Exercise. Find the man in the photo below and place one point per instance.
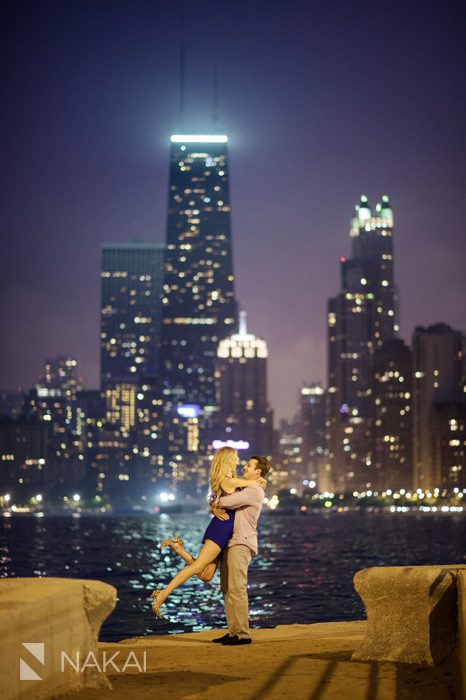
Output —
(239, 551)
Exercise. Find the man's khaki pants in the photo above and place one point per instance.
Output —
(233, 583)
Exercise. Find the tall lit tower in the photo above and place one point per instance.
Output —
(244, 412)
(198, 303)
(360, 318)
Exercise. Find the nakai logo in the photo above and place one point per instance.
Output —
(36, 650)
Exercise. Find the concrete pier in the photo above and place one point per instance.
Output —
(378, 659)
(290, 662)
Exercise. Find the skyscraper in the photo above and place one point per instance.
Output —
(127, 454)
(198, 303)
(130, 317)
(360, 318)
(312, 402)
(392, 433)
(130, 324)
(244, 413)
(439, 407)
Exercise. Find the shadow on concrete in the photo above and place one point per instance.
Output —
(410, 682)
(173, 685)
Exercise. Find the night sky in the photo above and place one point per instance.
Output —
(322, 101)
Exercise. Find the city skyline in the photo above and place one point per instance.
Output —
(67, 193)
(388, 415)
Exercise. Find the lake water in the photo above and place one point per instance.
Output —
(303, 573)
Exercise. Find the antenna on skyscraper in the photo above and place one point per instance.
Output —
(243, 329)
(182, 74)
(215, 97)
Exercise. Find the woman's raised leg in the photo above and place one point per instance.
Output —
(208, 554)
(208, 573)
(180, 550)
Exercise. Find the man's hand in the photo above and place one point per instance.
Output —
(219, 513)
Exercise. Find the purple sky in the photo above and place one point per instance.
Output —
(322, 101)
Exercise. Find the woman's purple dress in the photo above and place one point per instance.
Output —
(220, 531)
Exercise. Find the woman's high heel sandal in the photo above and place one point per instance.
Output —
(152, 597)
(167, 542)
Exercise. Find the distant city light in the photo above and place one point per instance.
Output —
(188, 410)
(165, 497)
(198, 138)
(236, 444)
(273, 502)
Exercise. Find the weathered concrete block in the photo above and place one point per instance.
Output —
(411, 613)
(39, 619)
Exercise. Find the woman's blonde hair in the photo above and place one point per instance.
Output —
(224, 461)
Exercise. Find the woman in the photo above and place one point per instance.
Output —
(222, 481)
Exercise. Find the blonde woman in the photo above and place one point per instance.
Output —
(223, 481)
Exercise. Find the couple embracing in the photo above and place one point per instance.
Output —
(229, 541)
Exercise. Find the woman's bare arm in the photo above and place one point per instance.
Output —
(230, 483)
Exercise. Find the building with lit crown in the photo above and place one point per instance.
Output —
(360, 318)
(198, 302)
(244, 415)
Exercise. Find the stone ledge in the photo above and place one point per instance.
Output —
(412, 613)
(60, 614)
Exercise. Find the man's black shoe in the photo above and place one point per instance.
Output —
(235, 641)
(220, 640)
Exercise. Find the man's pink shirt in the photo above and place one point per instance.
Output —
(248, 505)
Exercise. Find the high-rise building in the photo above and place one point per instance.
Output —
(360, 318)
(288, 470)
(130, 317)
(24, 452)
(448, 444)
(312, 430)
(438, 405)
(244, 414)
(128, 449)
(60, 378)
(130, 324)
(392, 395)
(54, 396)
(198, 304)
(90, 418)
